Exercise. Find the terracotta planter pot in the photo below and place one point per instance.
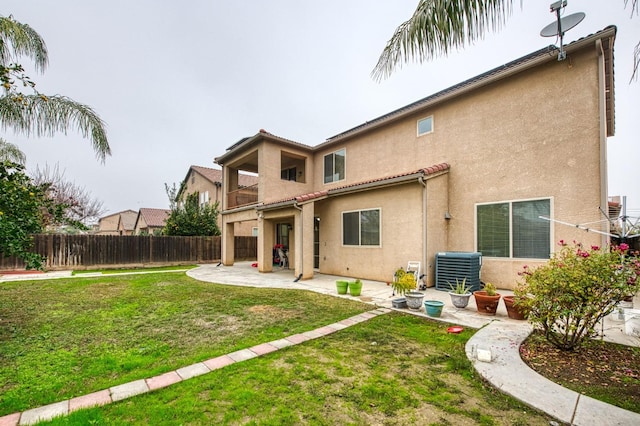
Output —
(487, 305)
(513, 311)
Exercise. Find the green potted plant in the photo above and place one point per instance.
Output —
(405, 284)
(460, 293)
(487, 299)
(402, 284)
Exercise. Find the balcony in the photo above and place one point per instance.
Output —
(242, 197)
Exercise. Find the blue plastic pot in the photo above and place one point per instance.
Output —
(433, 307)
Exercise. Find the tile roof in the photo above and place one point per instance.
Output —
(387, 180)
(154, 217)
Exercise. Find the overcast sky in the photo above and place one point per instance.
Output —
(177, 82)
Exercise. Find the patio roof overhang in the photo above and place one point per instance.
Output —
(417, 175)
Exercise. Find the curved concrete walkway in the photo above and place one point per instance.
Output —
(493, 350)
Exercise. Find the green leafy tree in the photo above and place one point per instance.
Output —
(25, 209)
(193, 219)
(568, 297)
(439, 26)
(35, 113)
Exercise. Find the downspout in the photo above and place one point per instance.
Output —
(602, 99)
(422, 181)
(299, 241)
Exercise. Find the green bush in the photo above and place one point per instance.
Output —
(577, 288)
(403, 282)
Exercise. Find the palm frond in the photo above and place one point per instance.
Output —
(10, 152)
(636, 50)
(17, 39)
(437, 27)
(44, 116)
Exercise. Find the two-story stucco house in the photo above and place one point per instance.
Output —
(207, 183)
(471, 168)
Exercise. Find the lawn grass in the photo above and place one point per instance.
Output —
(69, 337)
(395, 369)
(126, 270)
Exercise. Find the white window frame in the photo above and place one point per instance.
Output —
(204, 198)
(430, 117)
(333, 177)
(360, 245)
(511, 202)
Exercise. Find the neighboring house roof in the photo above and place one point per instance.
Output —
(104, 219)
(154, 218)
(215, 177)
(128, 220)
(427, 172)
(543, 55)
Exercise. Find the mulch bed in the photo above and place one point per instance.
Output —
(597, 367)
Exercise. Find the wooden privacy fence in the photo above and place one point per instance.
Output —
(91, 251)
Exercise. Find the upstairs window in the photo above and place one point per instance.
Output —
(514, 229)
(288, 174)
(425, 125)
(334, 165)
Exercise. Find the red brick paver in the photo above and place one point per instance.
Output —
(10, 420)
(90, 400)
(163, 380)
(219, 362)
(264, 348)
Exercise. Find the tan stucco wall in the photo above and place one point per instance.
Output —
(272, 187)
(400, 238)
(533, 135)
(109, 225)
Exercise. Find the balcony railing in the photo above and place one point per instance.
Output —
(242, 197)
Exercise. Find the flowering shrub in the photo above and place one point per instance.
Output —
(577, 288)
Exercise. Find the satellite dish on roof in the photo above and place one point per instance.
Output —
(565, 24)
(562, 25)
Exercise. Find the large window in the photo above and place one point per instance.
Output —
(514, 229)
(334, 166)
(361, 228)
